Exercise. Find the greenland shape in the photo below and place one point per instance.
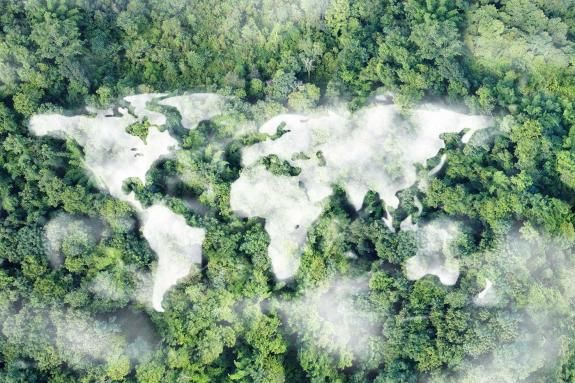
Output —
(374, 149)
(333, 316)
(112, 155)
(196, 107)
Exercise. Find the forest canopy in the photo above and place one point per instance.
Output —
(157, 158)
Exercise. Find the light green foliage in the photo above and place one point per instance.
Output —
(519, 32)
(566, 167)
(512, 190)
(139, 129)
(304, 98)
(282, 84)
(150, 372)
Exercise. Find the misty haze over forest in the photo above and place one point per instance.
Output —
(358, 191)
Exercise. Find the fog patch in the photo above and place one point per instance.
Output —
(388, 221)
(138, 330)
(435, 254)
(336, 317)
(110, 286)
(273, 15)
(196, 206)
(487, 296)
(408, 225)
(70, 234)
(350, 255)
(533, 274)
(374, 149)
(79, 339)
(423, 183)
(418, 205)
(436, 169)
(518, 34)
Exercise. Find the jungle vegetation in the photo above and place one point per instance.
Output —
(512, 59)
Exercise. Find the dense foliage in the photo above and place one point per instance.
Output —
(514, 59)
